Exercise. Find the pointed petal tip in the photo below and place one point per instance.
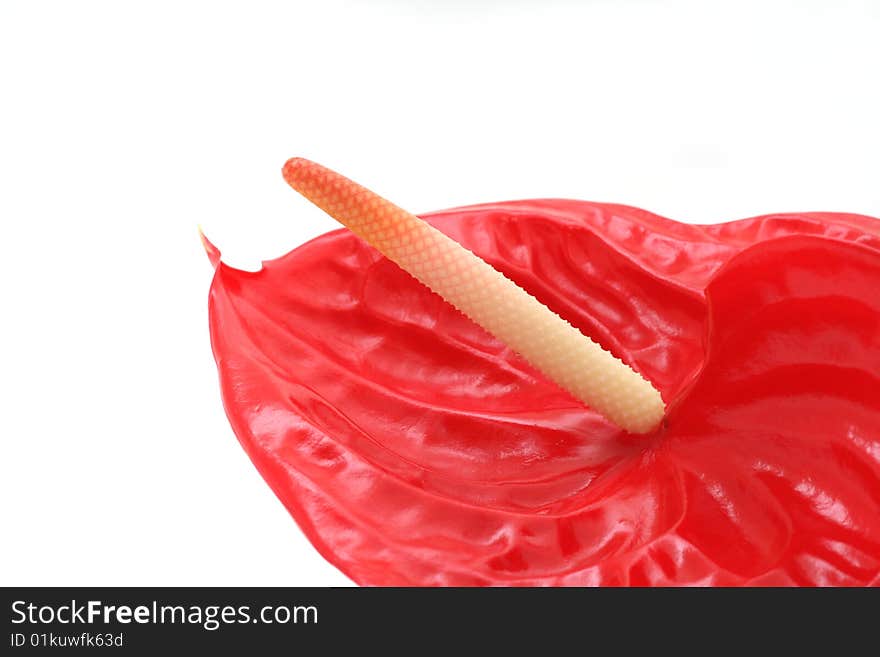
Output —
(212, 251)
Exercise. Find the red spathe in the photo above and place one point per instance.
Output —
(415, 449)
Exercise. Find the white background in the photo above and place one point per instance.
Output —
(124, 125)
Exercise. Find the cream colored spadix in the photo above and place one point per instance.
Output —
(552, 345)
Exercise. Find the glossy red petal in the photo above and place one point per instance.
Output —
(780, 434)
(413, 448)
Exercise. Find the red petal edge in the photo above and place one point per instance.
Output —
(414, 449)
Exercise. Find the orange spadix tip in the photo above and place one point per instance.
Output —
(293, 167)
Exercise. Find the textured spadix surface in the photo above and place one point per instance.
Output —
(547, 341)
(414, 448)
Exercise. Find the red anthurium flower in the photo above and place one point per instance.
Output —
(415, 449)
